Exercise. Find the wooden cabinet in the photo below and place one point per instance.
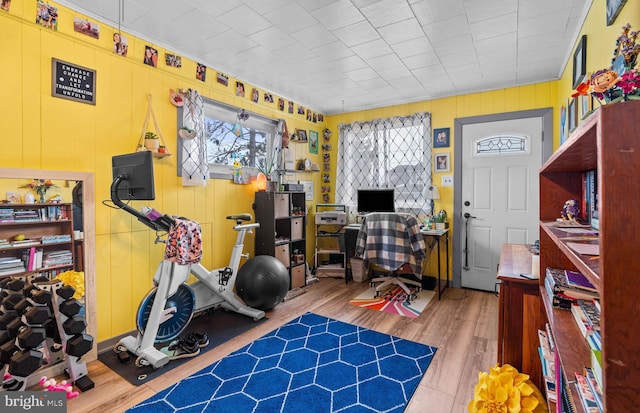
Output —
(609, 142)
(519, 312)
(282, 218)
(47, 247)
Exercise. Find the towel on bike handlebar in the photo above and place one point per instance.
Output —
(184, 243)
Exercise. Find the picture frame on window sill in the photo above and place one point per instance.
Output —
(442, 162)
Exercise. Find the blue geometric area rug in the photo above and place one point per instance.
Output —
(310, 364)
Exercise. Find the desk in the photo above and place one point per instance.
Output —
(351, 234)
(437, 235)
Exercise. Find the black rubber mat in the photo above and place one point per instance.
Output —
(220, 325)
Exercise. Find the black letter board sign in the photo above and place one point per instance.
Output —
(69, 81)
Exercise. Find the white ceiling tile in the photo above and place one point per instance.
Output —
(413, 47)
(483, 29)
(401, 31)
(333, 51)
(272, 38)
(356, 34)
(372, 49)
(452, 45)
(314, 36)
(338, 14)
(446, 29)
(479, 10)
(386, 12)
(432, 11)
(421, 60)
(244, 20)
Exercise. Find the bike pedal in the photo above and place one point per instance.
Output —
(124, 357)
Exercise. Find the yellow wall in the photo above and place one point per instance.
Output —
(43, 132)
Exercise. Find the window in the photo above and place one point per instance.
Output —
(502, 144)
(386, 153)
(230, 137)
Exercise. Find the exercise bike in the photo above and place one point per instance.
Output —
(167, 309)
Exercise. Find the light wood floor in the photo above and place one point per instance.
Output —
(463, 326)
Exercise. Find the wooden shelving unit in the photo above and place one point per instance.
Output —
(609, 142)
(50, 229)
(282, 218)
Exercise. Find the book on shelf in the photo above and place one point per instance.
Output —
(587, 398)
(581, 320)
(595, 387)
(596, 365)
(557, 285)
(564, 403)
(547, 359)
(578, 280)
(593, 319)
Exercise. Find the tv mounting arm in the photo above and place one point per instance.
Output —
(163, 223)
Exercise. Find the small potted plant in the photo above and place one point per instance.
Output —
(162, 149)
(151, 141)
(186, 133)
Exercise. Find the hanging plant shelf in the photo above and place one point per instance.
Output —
(150, 141)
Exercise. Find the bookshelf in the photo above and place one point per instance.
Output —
(47, 229)
(282, 231)
(608, 142)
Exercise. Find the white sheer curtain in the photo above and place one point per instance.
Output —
(386, 153)
(195, 168)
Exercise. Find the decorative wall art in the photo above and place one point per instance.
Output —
(580, 62)
(613, 9)
(47, 15)
(5, 5)
(301, 134)
(313, 141)
(441, 138)
(84, 26)
(73, 82)
(172, 60)
(150, 56)
(201, 72)
(572, 114)
(240, 89)
(222, 79)
(307, 187)
(563, 124)
(442, 162)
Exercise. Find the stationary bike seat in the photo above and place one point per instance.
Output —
(240, 217)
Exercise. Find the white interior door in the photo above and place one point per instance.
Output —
(500, 163)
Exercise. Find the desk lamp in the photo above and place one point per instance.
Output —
(431, 192)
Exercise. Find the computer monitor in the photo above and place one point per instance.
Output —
(376, 200)
(136, 173)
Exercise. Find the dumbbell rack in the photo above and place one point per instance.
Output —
(40, 325)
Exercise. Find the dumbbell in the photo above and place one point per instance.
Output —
(7, 350)
(79, 345)
(41, 296)
(37, 315)
(25, 362)
(70, 307)
(74, 325)
(15, 284)
(31, 337)
(65, 292)
(11, 301)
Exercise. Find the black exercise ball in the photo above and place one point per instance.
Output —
(262, 282)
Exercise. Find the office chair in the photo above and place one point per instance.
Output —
(392, 242)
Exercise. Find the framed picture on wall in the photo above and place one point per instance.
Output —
(313, 141)
(302, 135)
(442, 162)
(307, 187)
(580, 62)
(572, 114)
(441, 138)
(613, 9)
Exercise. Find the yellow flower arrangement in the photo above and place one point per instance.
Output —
(74, 279)
(505, 390)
